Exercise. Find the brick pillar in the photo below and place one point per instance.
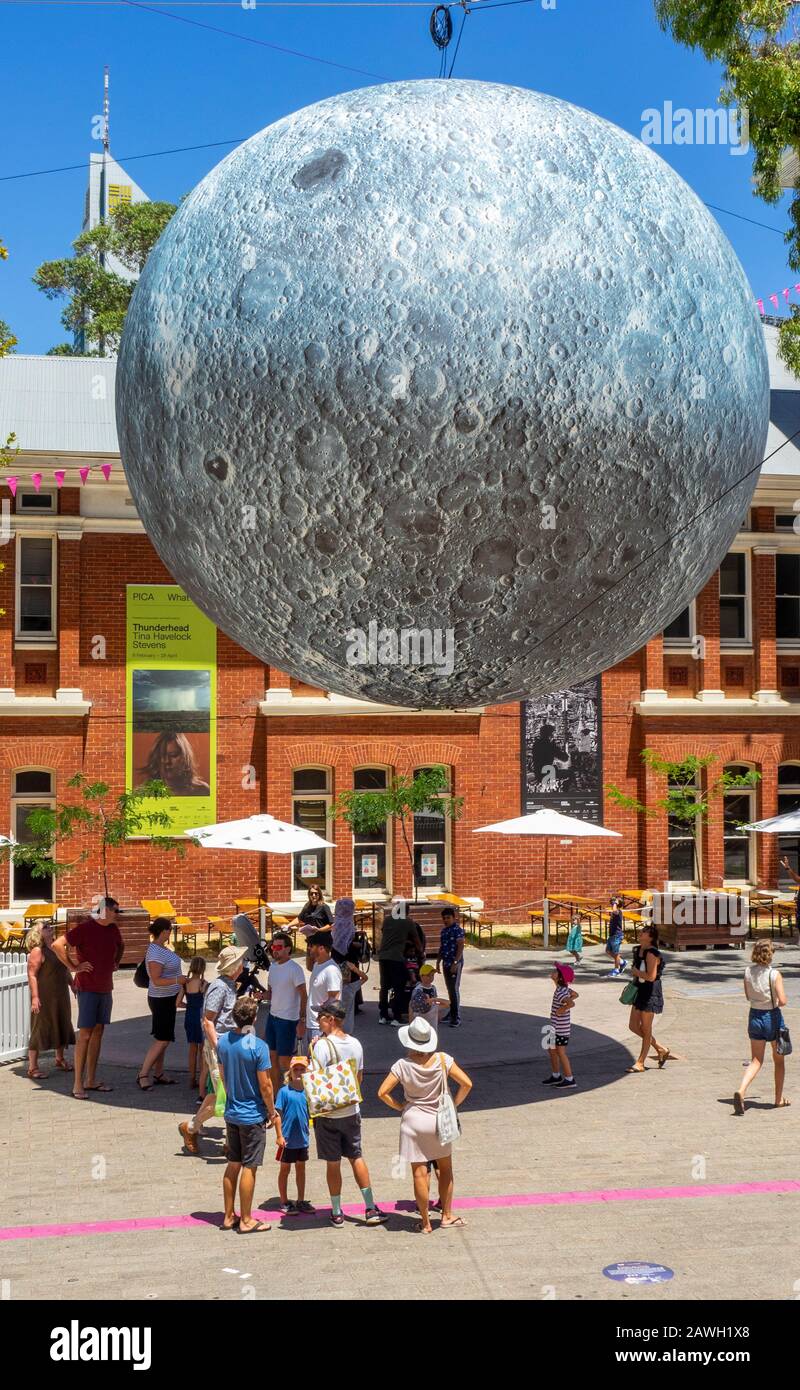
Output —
(7, 560)
(653, 671)
(653, 830)
(707, 625)
(766, 673)
(712, 861)
(69, 602)
(766, 846)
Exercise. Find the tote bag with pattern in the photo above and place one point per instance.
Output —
(448, 1125)
(331, 1088)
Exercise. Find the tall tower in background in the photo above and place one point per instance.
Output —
(108, 188)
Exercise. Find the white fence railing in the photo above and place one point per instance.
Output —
(15, 1006)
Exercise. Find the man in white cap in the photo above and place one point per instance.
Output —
(217, 1018)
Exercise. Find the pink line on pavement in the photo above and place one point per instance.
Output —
(514, 1199)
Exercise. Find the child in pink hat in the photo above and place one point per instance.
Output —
(560, 1027)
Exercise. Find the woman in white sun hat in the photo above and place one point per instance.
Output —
(423, 1074)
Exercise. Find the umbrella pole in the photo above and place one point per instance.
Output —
(545, 903)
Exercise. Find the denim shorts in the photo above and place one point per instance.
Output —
(763, 1025)
(281, 1035)
(93, 1009)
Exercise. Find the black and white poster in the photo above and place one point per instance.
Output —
(562, 756)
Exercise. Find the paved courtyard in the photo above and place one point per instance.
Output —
(99, 1201)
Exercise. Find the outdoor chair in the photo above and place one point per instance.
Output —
(187, 931)
(483, 924)
(13, 938)
(217, 924)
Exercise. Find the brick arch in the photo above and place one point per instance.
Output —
(375, 753)
(313, 753)
(429, 752)
(32, 752)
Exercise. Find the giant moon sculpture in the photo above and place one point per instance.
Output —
(450, 357)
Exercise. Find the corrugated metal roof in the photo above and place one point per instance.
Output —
(59, 404)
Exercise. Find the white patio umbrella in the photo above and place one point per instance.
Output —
(262, 834)
(788, 824)
(546, 823)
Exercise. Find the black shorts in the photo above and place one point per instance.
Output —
(163, 1011)
(562, 1040)
(294, 1156)
(246, 1143)
(338, 1139)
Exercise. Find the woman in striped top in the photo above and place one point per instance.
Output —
(166, 982)
(560, 1028)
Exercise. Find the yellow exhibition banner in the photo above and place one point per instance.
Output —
(171, 703)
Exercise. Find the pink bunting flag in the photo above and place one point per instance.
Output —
(36, 479)
(12, 485)
(785, 294)
(760, 304)
(84, 473)
(774, 300)
(105, 469)
(797, 289)
(59, 476)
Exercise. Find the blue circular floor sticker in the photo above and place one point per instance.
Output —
(629, 1272)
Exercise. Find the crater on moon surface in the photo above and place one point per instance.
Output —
(471, 354)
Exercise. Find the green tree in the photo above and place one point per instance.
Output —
(405, 797)
(107, 822)
(98, 298)
(686, 803)
(756, 41)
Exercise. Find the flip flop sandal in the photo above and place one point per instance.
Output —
(140, 1084)
(226, 1230)
(448, 1225)
(782, 1105)
(64, 1066)
(75, 1096)
(663, 1057)
(38, 1075)
(100, 1087)
(163, 1080)
(254, 1230)
(738, 1103)
(636, 1070)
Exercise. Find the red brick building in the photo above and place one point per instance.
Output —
(70, 551)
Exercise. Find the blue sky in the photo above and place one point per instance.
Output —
(173, 84)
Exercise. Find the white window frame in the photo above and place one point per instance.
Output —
(29, 799)
(792, 789)
(785, 644)
(424, 885)
(49, 493)
(35, 639)
(750, 837)
(734, 644)
(375, 894)
(685, 884)
(684, 644)
(300, 894)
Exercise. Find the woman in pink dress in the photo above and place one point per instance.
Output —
(423, 1074)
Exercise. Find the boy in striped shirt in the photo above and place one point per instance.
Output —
(561, 1025)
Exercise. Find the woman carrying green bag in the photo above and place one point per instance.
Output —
(645, 985)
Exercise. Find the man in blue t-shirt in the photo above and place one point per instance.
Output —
(249, 1107)
(450, 957)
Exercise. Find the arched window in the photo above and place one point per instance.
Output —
(32, 789)
(684, 844)
(311, 808)
(432, 852)
(738, 810)
(788, 800)
(372, 849)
